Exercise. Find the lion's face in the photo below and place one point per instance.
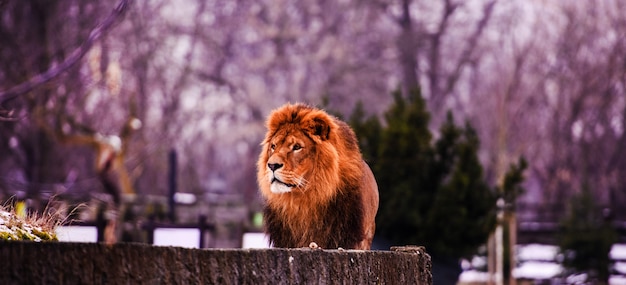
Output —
(298, 153)
(289, 157)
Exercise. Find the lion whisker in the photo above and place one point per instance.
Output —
(296, 179)
(301, 182)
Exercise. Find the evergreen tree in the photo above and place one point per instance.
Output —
(368, 131)
(403, 171)
(511, 185)
(586, 238)
(462, 213)
(432, 192)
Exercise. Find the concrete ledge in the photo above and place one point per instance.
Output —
(89, 263)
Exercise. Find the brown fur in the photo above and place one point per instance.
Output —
(327, 193)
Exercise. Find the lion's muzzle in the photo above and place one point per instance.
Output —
(274, 166)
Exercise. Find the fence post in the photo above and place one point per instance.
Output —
(149, 228)
(101, 222)
(172, 185)
(202, 226)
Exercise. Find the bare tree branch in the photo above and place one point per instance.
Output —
(471, 45)
(407, 46)
(439, 92)
(434, 74)
(71, 60)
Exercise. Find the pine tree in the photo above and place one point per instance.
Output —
(403, 171)
(586, 238)
(432, 192)
(368, 131)
(462, 213)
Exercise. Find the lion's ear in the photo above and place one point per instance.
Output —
(320, 126)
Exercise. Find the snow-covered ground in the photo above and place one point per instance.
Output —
(255, 240)
(77, 234)
(618, 252)
(189, 238)
(539, 262)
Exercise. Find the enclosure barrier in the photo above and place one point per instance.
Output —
(92, 263)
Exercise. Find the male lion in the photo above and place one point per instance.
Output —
(316, 185)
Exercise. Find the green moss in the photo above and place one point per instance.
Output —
(45, 236)
(7, 236)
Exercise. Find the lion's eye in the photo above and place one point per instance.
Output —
(296, 147)
(272, 146)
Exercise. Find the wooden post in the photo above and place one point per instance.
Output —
(172, 186)
(202, 226)
(101, 222)
(149, 228)
(512, 219)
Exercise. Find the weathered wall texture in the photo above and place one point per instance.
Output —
(84, 263)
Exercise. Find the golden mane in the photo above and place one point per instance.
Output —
(318, 158)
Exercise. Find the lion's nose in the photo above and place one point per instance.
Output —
(274, 166)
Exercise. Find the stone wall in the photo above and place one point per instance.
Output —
(89, 263)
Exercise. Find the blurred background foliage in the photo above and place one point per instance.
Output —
(543, 80)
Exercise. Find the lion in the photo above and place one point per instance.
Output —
(316, 186)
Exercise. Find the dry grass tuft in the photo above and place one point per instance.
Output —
(16, 225)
